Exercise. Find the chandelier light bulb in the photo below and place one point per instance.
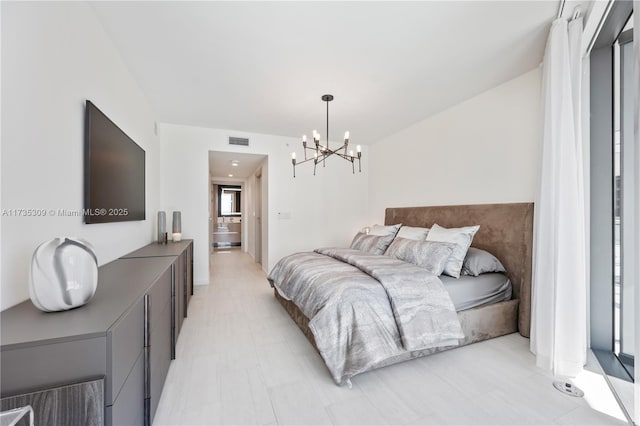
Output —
(346, 135)
(358, 148)
(304, 138)
(293, 155)
(351, 153)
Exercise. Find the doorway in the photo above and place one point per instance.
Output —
(237, 188)
(227, 209)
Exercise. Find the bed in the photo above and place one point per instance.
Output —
(505, 231)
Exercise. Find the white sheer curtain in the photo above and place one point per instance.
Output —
(559, 290)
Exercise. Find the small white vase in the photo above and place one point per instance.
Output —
(63, 274)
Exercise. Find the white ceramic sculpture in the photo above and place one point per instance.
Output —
(63, 274)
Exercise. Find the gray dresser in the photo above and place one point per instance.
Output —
(182, 252)
(124, 337)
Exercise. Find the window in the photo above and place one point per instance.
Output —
(612, 195)
(623, 171)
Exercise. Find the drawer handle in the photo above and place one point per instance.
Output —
(147, 359)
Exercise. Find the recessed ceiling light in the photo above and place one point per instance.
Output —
(235, 163)
(230, 175)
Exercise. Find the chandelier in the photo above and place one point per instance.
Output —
(322, 152)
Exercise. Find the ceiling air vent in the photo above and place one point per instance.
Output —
(238, 141)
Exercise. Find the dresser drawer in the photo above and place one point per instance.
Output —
(128, 408)
(178, 269)
(124, 343)
(160, 294)
(161, 336)
(36, 367)
(189, 266)
(160, 355)
(79, 403)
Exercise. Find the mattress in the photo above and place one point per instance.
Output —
(469, 292)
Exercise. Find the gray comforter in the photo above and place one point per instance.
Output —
(365, 309)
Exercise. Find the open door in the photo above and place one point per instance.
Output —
(258, 216)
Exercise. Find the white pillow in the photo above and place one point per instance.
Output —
(384, 231)
(413, 233)
(461, 237)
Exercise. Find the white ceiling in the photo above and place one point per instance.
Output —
(262, 66)
(220, 165)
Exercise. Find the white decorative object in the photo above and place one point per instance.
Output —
(63, 274)
(176, 236)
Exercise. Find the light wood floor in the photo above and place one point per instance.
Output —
(242, 360)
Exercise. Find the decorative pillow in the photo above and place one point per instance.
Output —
(374, 244)
(461, 237)
(384, 230)
(479, 262)
(430, 255)
(413, 233)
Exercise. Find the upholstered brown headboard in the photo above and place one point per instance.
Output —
(506, 230)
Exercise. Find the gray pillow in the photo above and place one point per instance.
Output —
(374, 244)
(461, 237)
(413, 233)
(479, 262)
(430, 255)
(384, 231)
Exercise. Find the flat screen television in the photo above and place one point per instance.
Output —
(114, 184)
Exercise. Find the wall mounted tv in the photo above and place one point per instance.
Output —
(114, 186)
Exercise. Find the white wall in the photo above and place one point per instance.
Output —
(324, 210)
(483, 150)
(54, 56)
